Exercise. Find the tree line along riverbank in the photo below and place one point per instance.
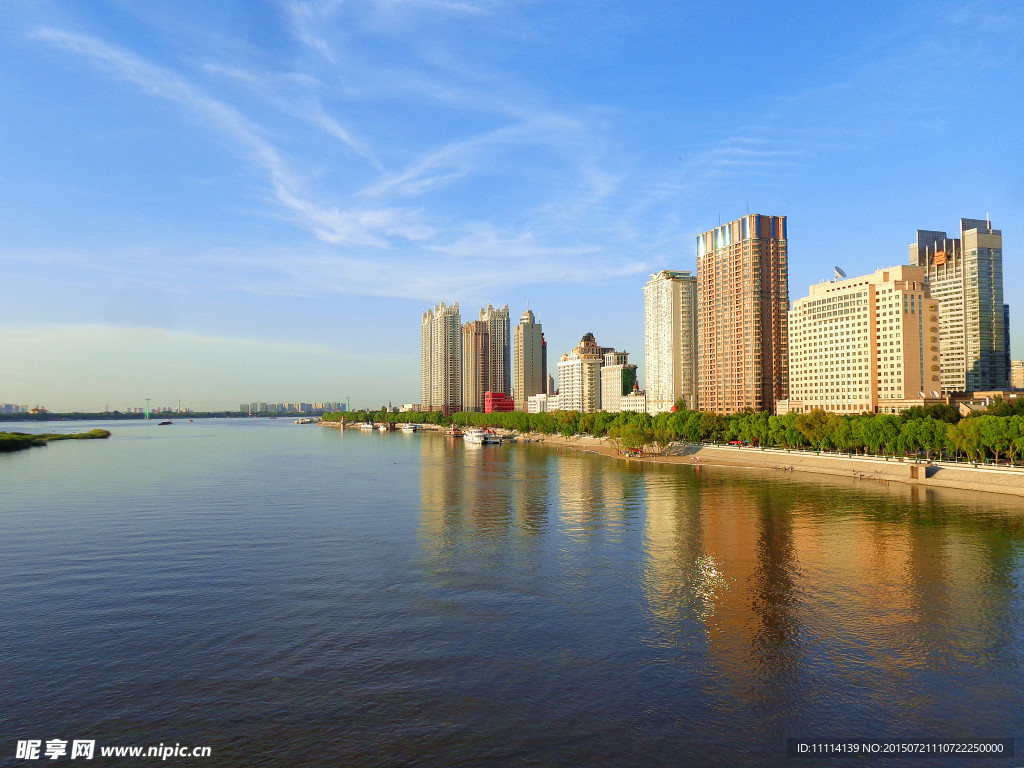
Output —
(18, 441)
(935, 432)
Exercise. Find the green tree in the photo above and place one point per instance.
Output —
(871, 433)
(932, 436)
(1015, 436)
(816, 426)
(629, 437)
(994, 434)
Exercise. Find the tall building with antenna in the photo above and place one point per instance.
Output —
(966, 277)
(742, 308)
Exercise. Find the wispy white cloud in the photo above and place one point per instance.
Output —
(363, 227)
(295, 94)
(306, 21)
(444, 165)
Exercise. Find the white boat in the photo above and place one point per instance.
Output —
(382, 427)
(366, 425)
(478, 436)
(411, 427)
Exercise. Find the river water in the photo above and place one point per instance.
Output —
(297, 595)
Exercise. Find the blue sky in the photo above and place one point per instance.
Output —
(230, 201)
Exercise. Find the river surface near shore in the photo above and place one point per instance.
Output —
(295, 595)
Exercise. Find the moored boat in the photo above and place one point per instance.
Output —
(479, 436)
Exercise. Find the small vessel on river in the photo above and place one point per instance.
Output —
(479, 436)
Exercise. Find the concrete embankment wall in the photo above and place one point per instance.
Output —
(927, 475)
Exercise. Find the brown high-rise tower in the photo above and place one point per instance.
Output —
(742, 305)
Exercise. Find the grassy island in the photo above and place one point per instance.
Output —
(17, 441)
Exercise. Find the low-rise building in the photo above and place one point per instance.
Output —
(1017, 374)
(636, 401)
(538, 403)
(618, 380)
(498, 402)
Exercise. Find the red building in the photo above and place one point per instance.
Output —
(498, 401)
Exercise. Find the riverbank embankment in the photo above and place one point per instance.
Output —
(930, 475)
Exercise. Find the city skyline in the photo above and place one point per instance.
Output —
(264, 196)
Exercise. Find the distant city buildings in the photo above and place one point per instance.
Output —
(12, 408)
(670, 340)
(441, 359)
(529, 359)
(742, 305)
(966, 277)
(865, 344)
(263, 407)
(725, 339)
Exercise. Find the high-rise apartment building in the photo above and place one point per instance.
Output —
(865, 344)
(441, 359)
(618, 380)
(579, 377)
(476, 365)
(966, 276)
(486, 363)
(529, 365)
(670, 340)
(499, 370)
(742, 308)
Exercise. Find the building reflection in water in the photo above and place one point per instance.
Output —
(779, 596)
(786, 591)
(597, 499)
(481, 493)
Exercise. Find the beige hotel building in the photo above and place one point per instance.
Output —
(865, 344)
